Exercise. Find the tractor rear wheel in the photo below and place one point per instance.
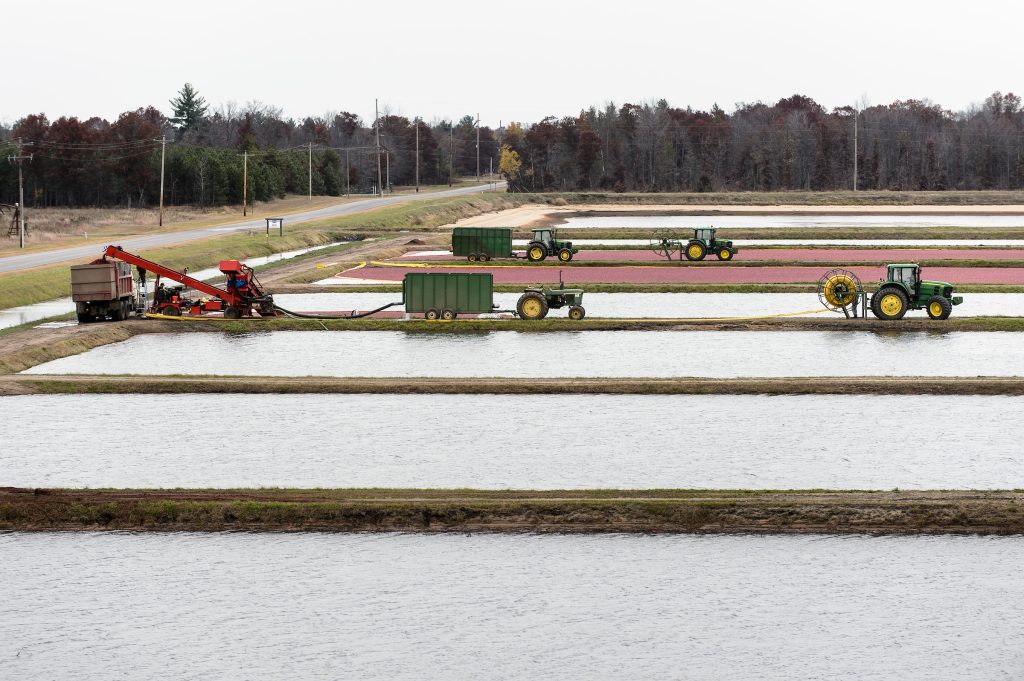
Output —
(939, 307)
(532, 306)
(890, 303)
(430, 314)
(472, 257)
(725, 254)
(448, 315)
(695, 250)
(576, 312)
(536, 252)
(565, 255)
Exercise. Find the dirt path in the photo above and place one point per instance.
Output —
(646, 511)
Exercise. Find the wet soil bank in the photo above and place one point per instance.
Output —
(870, 385)
(655, 511)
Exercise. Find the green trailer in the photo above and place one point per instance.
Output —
(482, 243)
(446, 296)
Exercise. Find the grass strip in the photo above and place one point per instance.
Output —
(565, 511)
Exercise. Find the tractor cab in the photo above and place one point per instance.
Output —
(706, 235)
(543, 244)
(907, 275)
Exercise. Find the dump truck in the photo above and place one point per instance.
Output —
(102, 289)
(480, 244)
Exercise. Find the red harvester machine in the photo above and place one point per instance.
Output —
(241, 297)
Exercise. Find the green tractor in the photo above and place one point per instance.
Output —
(536, 301)
(903, 290)
(543, 244)
(704, 242)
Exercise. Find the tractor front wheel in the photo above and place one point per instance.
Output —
(576, 312)
(536, 253)
(695, 250)
(890, 303)
(532, 306)
(939, 307)
(725, 254)
(430, 314)
(448, 315)
(565, 255)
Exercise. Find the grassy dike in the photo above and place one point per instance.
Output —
(589, 511)
(802, 198)
(35, 286)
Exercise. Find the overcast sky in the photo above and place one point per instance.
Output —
(506, 60)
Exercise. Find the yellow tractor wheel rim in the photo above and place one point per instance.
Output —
(575, 314)
(564, 256)
(536, 253)
(531, 308)
(725, 254)
(891, 304)
(837, 297)
(695, 251)
(936, 309)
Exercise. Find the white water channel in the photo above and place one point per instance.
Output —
(599, 354)
(789, 220)
(94, 607)
(606, 441)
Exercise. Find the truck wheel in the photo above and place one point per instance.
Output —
(484, 257)
(536, 253)
(448, 315)
(939, 307)
(576, 312)
(117, 314)
(565, 255)
(84, 318)
(229, 313)
(472, 257)
(695, 250)
(430, 314)
(890, 303)
(725, 254)
(532, 306)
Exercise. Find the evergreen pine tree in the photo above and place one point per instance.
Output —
(189, 109)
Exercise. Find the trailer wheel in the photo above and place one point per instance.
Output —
(484, 257)
(565, 255)
(430, 314)
(230, 312)
(576, 312)
(939, 307)
(84, 318)
(532, 306)
(472, 257)
(890, 303)
(448, 315)
(695, 250)
(725, 254)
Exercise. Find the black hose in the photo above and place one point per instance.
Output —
(303, 315)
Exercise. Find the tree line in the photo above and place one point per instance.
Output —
(794, 143)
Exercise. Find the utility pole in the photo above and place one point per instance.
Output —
(478, 148)
(310, 171)
(347, 191)
(376, 124)
(451, 151)
(21, 193)
(245, 183)
(417, 122)
(856, 115)
(163, 154)
(387, 161)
